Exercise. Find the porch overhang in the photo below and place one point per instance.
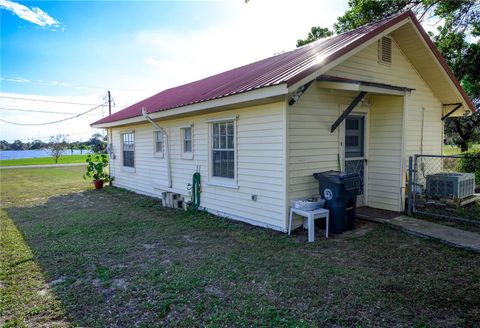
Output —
(348, 110)
(340, 83)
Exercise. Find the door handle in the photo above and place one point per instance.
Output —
(366, 161)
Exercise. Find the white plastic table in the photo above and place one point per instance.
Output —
(311, 216)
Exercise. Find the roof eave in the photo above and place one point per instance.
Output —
(436, 53)
(270, 92)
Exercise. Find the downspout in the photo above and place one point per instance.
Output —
(167, 145)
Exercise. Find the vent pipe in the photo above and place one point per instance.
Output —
(167, 144)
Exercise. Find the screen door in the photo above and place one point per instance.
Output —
(355, 158)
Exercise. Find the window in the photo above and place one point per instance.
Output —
(223, 149)
(187, 142)
(354, 136)
(128, 148)
(158, 142)
(385, 50)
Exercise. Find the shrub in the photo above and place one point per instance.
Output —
(96, 168)
(471, 163)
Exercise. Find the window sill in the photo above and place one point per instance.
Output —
(128, 169)
(158, 155)
(224, 184)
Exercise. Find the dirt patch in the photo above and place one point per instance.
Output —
(42, 292)
(188, 239)
(57, 281)
(216, 291)
(119, 284)
(376, 213)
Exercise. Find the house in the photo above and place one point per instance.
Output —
(360, 101)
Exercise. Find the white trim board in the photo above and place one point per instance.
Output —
(240, 100)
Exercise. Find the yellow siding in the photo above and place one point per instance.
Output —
(313, 148)
(261, 164)
(384, 164)
(365, 66)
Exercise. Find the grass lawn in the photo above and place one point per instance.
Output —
(66, 159)
(73, 256)
(454, 150)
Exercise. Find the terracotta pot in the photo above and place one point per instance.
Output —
(98, 184)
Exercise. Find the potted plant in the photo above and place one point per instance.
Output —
(96, 170)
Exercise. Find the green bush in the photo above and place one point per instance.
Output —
(471, 164)
(96, 168)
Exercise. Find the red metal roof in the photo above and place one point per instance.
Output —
(286, 68)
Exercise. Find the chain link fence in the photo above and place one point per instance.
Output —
(443, 186)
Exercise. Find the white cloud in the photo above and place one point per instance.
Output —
(34, 15)
(153, 62)
(15, 79)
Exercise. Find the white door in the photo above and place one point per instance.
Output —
(355, 151)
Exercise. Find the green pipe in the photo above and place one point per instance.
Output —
(196, 191)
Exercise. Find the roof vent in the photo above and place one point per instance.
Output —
(385, 50)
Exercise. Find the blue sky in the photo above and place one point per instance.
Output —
(92, 43)
(68, 51)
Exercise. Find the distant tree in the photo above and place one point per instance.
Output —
(4, 145)
(57, 145)
(71, 147)
(96, 136)
(37, 144)
(463, 131)
(17, 145)
(97, 143)
(82, 147)
(316, 32)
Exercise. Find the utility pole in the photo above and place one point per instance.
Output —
(109, 103)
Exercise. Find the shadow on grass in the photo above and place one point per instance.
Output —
(114, 258)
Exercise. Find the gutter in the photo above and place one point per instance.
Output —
(167, 145)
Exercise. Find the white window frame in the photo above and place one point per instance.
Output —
(155, 152)
(128, 168)
(220, 181)
(186, 154)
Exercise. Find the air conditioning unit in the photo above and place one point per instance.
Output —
(450, 185)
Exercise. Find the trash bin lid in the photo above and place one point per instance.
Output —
(335, 176)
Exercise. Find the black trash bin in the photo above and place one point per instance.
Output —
(340, 190)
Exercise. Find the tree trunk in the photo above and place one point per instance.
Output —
(465, 135)
(464, 147)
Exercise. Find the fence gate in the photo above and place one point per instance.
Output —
(443, 186)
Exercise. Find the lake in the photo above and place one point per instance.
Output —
(14, 154)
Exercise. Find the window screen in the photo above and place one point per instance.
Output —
(158, 142)
(128, 149)
(223, 150)
(187, 140)
(354, 137)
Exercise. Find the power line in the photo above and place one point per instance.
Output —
(52, 83)
(40, 138)
(48, 101)
(51, 101)
(41, 111)
(58, 121)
